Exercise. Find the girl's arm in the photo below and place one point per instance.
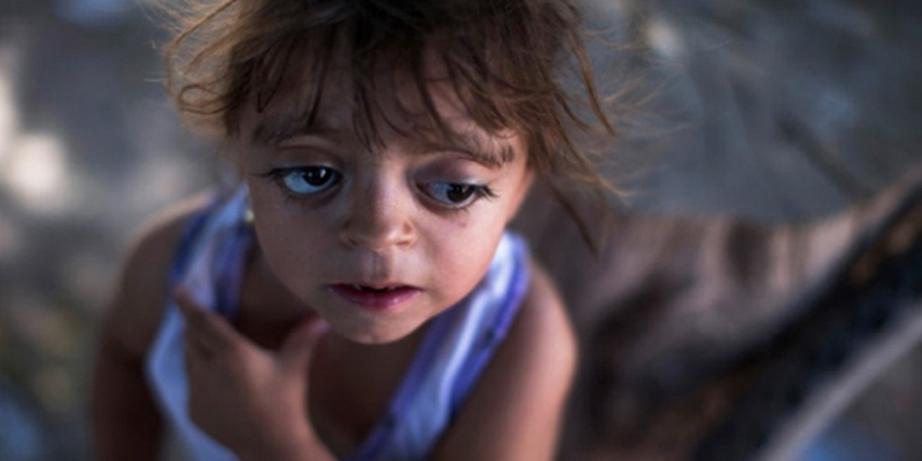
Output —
(125, 419)
(514, 412)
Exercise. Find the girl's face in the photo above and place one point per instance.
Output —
(377, 242)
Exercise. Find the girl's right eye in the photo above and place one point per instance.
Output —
(305, 181)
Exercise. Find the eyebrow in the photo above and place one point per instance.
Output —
(468, 140)
(490, 154)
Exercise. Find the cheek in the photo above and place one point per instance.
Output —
(288, 235)
(277, 215)
(460, 256)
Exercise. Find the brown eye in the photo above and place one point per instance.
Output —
(456, 195)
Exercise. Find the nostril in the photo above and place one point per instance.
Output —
(378, 218)
(379, 234)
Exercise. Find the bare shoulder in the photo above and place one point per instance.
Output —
(542, 335)
(515, 410)
(133, 316)
(544, 311)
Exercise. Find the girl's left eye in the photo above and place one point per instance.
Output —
(456, 195)
(306, 180)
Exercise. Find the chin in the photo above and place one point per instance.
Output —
(375, 334)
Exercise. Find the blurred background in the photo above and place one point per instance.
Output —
(771, 110)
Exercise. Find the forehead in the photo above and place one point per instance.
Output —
(321, 91)
(274, 128)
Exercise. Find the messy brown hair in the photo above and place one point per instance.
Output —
(504, 59)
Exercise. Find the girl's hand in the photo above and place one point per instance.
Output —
(252, 400)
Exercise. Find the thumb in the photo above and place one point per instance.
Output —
(298, 347)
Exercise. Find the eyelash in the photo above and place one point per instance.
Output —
(480, 191)
(277, 176)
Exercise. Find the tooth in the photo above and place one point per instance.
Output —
(357, 286)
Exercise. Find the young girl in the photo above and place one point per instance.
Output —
(357, 295)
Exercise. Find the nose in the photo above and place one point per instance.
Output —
(377, 219)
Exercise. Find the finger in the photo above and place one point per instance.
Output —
(196, 322)
(195, 339)
(299, 345)
(211, 329)
(190, 309)
(197, 345)
(195, 356)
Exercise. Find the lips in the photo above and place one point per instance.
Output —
(380, 297)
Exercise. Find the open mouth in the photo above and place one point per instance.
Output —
(375, 297)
